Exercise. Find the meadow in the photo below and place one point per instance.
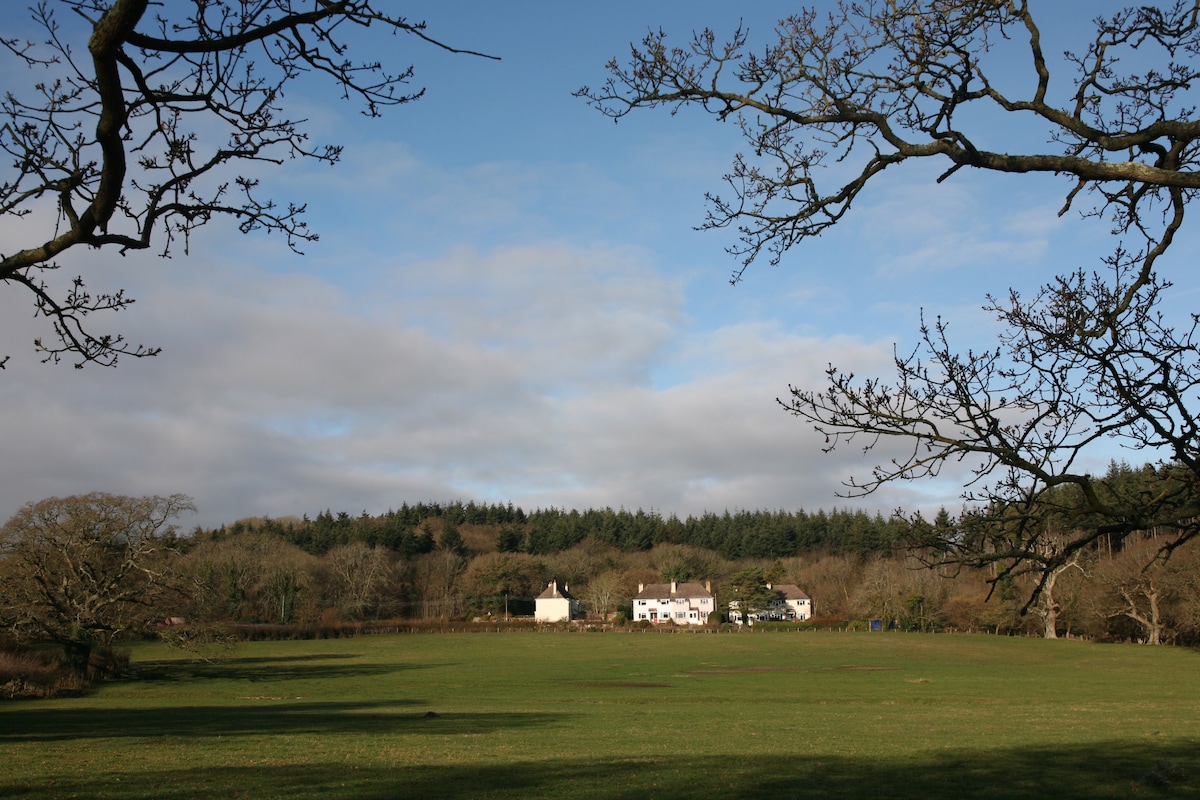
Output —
(622, 715)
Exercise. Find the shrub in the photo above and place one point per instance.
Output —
(830, 623)
(27, 673)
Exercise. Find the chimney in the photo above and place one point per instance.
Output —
(674, 587)
(554, 586)
(641, 586)
(769, 586)
(708, 586)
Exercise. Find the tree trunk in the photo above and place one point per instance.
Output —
(1050, 623)
(1151, 621)
(1048, 609)
(78, 656)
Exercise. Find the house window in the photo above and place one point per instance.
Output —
(641, 616)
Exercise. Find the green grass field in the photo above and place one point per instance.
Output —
(616, 715)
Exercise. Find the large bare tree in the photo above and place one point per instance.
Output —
(80, 570)
(1088, 358)
(137, 123)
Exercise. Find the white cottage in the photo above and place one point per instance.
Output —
(555, 604)
(796, 604)
(681, 603)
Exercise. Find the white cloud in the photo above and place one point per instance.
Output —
(521, 373)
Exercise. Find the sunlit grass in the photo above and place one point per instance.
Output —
(623, 715)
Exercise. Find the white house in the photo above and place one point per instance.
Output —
(681, 603)
(791, 604)
(796, 604)
(555, 605)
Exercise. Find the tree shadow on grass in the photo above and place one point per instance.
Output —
(269, 669)
(1118, 769)
(258, 716)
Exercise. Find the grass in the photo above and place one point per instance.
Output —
(623, 715)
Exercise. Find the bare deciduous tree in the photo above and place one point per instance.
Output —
(362, 576)
(1158, 597)
(80, 570)
(139, 118)
(1088, 358)
(603, 593)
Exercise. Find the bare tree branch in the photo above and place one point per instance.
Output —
(1088, 358)
(111, 142)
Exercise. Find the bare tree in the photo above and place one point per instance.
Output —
(1156, 596)
(362, 576)
(1048, 606)
(136, 125)
(602, 593)
(80, 570)
(437, 577)
(1088, 358)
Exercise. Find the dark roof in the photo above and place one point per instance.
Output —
(555, 591)
(661, 590)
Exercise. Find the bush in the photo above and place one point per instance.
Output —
(824, 624)
(780, 626)
(28, 673)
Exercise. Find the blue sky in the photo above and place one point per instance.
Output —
(509, 303)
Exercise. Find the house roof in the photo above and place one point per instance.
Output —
(555, 592)
(790, 591)
(660, 590)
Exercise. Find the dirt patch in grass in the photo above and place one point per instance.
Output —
(795, 668)
(625, 685)
(733, 670)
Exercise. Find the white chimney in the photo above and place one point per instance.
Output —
(674, 587)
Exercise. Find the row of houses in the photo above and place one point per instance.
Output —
(685, 603)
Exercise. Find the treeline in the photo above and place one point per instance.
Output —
(416, 529)
(255, 577)
(460, 560)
